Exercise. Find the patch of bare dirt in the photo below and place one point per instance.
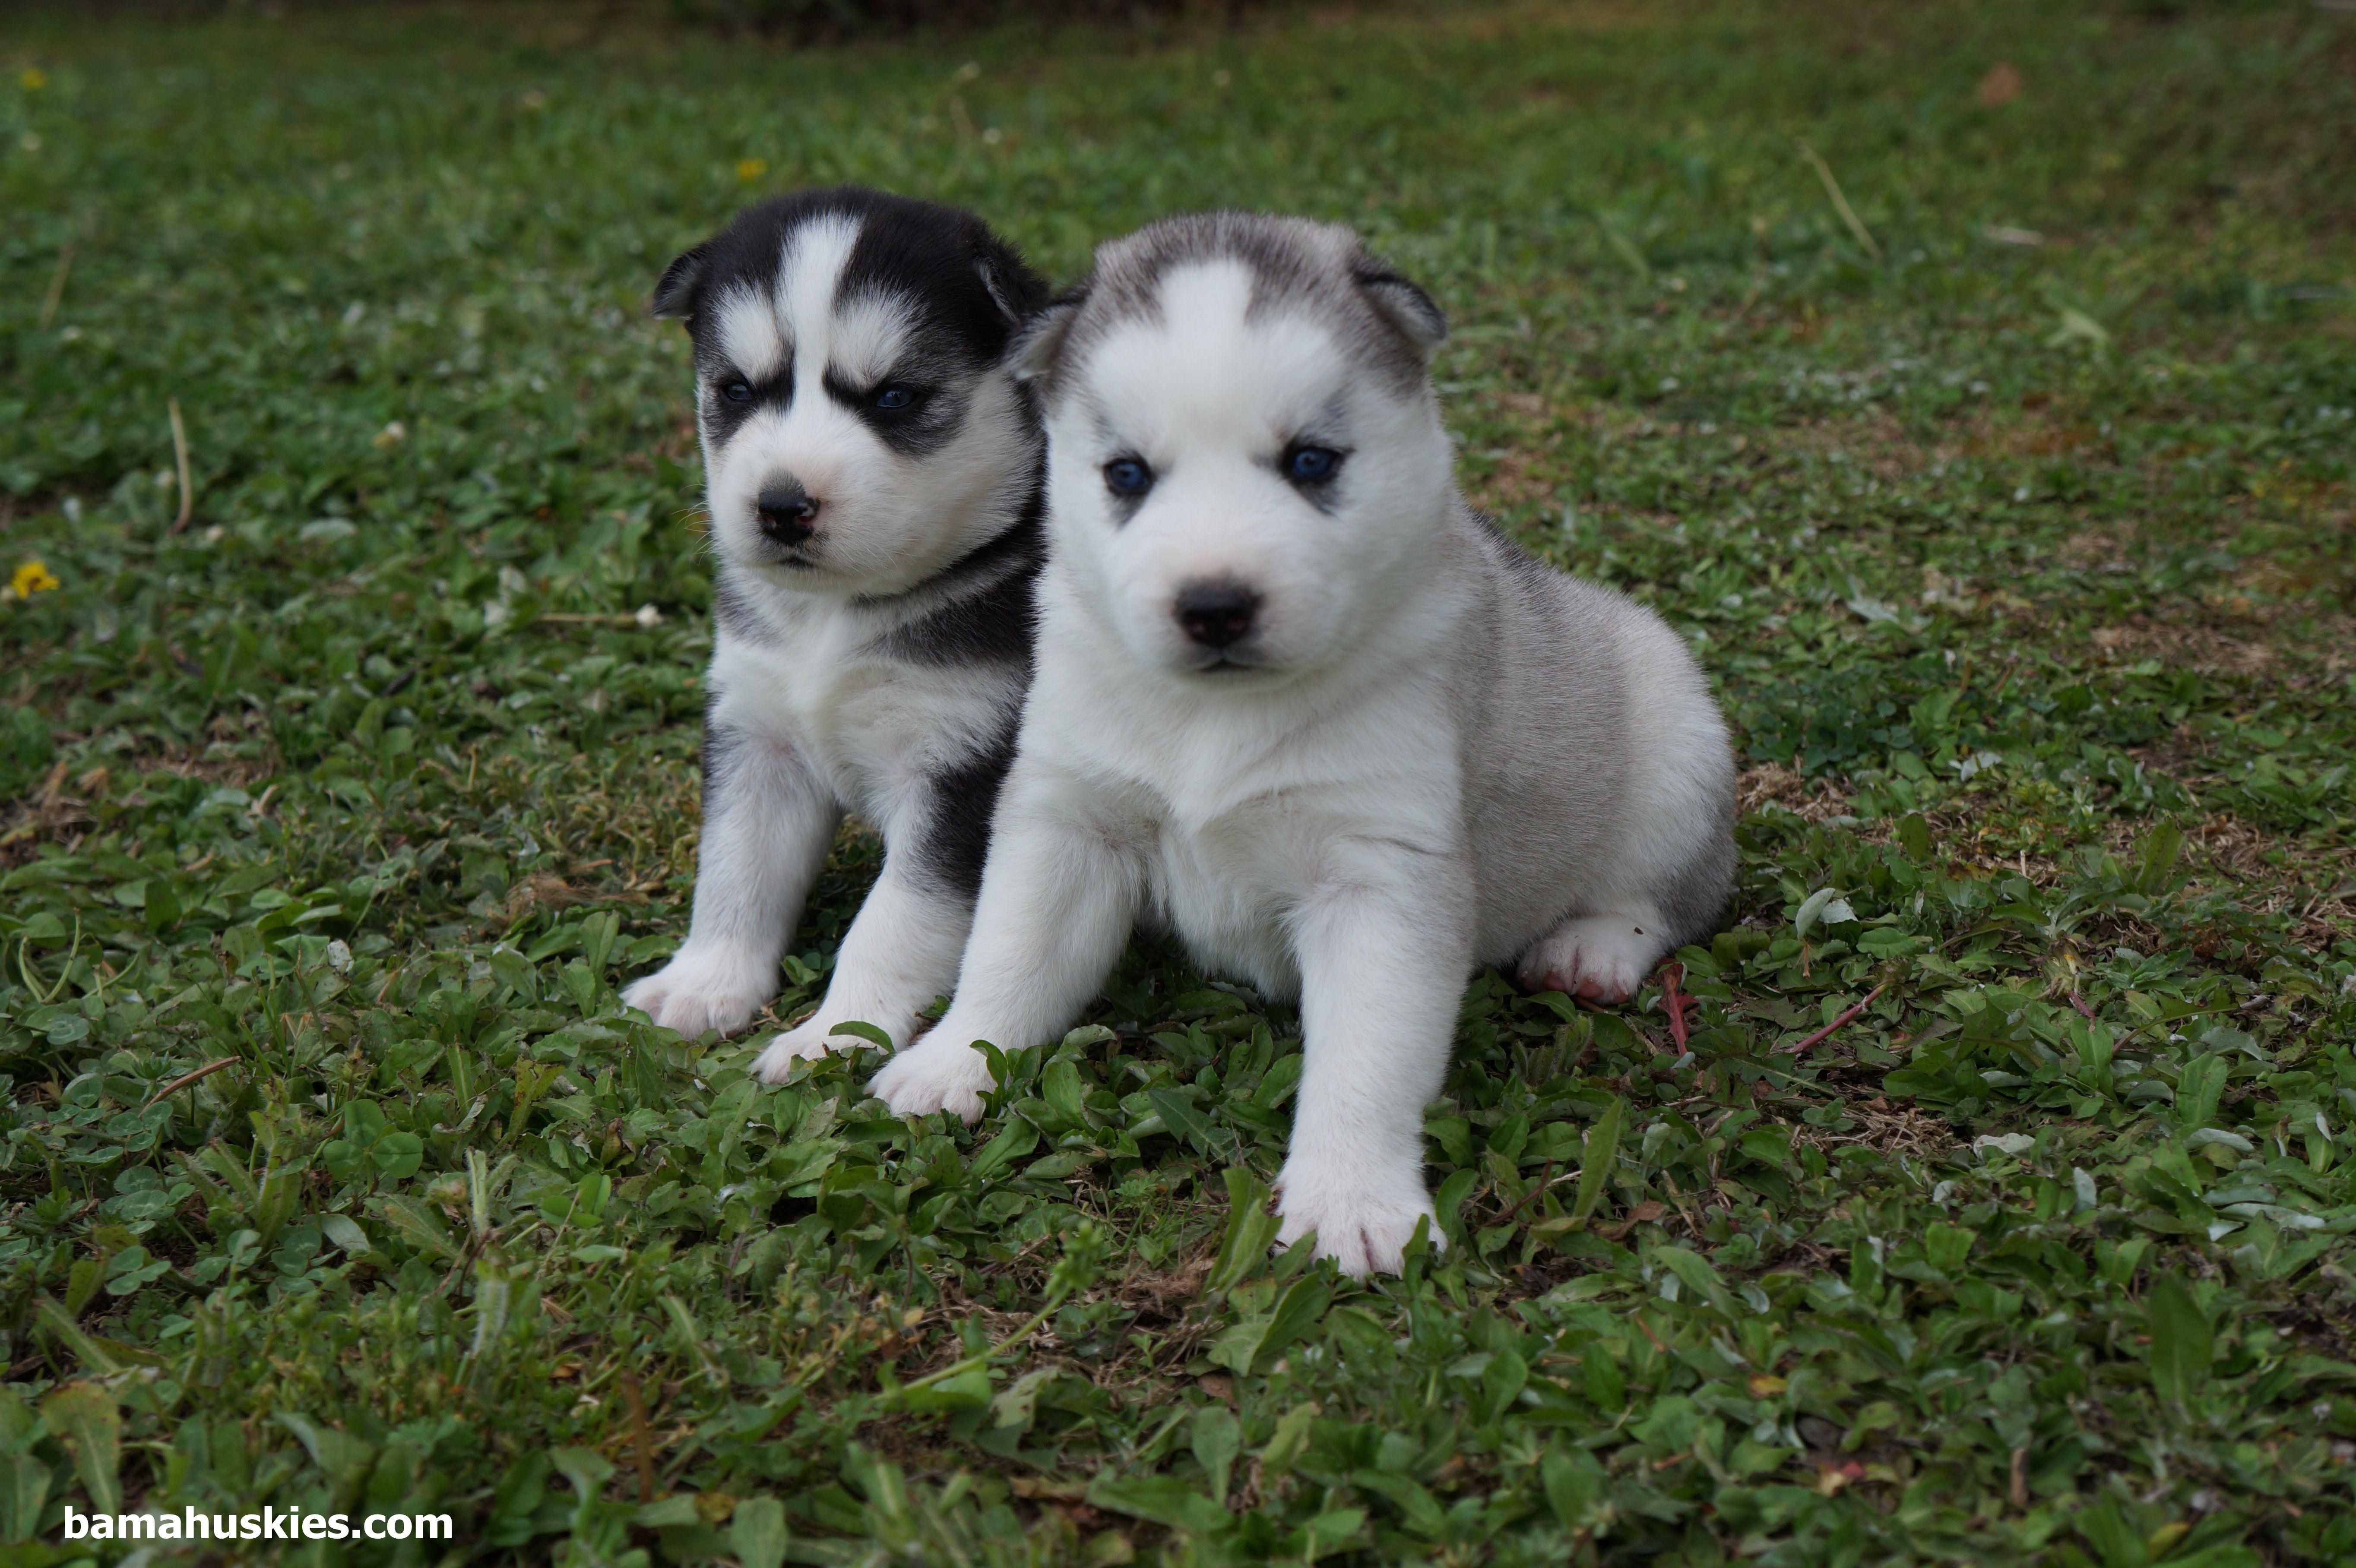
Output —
(1877, 444)
(2032, 435)
(2197, 647)
(2103, 547)
(2237, 636)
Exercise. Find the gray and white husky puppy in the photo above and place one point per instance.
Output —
(872, 472)
(1296, 701)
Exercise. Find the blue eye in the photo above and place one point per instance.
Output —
(1312, 464)
(736, 391)
(895, 398)
(1128, 476)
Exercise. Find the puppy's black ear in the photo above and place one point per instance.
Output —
(1012, 287)
(682, 281)
(1037, 347)
(1404, 306)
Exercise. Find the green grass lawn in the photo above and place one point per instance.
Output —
(1975, 384)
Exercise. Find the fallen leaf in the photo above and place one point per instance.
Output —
(1041, 1487)
(1831, 1479)
(1644, 1213)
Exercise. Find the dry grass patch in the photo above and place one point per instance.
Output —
(2235, 637)
(1894, 1132)
(1772, 784)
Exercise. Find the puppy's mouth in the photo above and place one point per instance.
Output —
(795, 558)
(1226, 662)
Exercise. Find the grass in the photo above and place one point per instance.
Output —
(1994, 451)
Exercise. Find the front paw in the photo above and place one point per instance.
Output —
(1364, 1228)
(698, 991)
(806, 1043)
(935, 1075)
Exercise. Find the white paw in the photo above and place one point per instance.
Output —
(1602, 957)
(1364, 1228)
(934, 1075)
(708, 990)
(806, 1043)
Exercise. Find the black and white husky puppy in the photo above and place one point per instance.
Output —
(1296, 701)
(872, 472)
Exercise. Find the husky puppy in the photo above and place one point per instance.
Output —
(872, 472)
(1296, 701)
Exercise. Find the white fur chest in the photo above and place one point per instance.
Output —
(1245, 804)
(869, 725)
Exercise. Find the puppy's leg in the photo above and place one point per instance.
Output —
(1382, 962)
(1058, 900)
(767, 821)
(903, 950)
(1602, 957)
(900, 953)
(1665, 877)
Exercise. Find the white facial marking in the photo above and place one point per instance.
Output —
(860, 337)
(885, 520)
(816, 255)
(1204, 374)
(748, 334)
(1211, 395)
(865, 336)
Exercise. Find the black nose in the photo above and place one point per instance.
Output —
(1217, 614)
(788, 513)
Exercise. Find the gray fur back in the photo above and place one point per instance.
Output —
(1548, 685)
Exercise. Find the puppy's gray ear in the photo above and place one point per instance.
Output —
(675, 296)
(1037, 348)
(1404, 306)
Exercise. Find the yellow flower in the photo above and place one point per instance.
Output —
(32, 578)
(34, 78)
(752, 168)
